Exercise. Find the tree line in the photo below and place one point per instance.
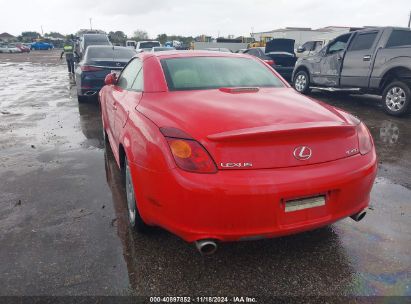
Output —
(116, 37)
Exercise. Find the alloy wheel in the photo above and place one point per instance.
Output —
(395, 99)
(300, 82)
(131, 201)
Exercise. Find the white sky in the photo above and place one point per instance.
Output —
(193, 17)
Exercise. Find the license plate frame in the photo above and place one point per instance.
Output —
(305, 203)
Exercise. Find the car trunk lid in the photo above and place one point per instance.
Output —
(263, 127)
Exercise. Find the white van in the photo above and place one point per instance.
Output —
(131, 44)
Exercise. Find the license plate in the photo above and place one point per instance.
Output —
(304, 203)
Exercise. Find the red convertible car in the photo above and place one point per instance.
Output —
(218, 147)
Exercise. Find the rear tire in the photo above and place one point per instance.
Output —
(396, 98)
(134, 219)
(301, 82)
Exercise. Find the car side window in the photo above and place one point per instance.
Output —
(129, 74)
(339, 44)
(399, 38)
(309, 46)
(318, 46)
(363, 41)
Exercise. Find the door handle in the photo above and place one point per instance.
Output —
(339, 58)
(366, 58)
(114, 107)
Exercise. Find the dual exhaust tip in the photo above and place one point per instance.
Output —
(209, 247)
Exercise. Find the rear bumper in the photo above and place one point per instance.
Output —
(236, 205)
(90, 84)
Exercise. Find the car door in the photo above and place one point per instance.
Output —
(358, 59)
(134, 92)
(331, 62)
(117, 105)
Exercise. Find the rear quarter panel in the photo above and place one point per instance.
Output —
(387, 59)
(144, 144)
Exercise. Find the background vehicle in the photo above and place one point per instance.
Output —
(279, 53)
(131, 44)
(162, 48)
(22, 48)
(225, 50)
(310, 48)
(9, 48)
(92, 39)
(96, 64)
(376, 61)
(39, 45)
(262, 43)
(146, 45)
(190, 130)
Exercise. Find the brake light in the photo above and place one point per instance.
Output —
(90, 68)
(365, 141)
(270, 62)
(188, 154)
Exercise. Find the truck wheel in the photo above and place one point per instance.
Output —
(301, 82)
(396, 98)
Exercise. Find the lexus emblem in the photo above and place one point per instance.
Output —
(302, 153)
(118, 63)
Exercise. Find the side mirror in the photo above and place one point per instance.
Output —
(110, 79)
(300, 49)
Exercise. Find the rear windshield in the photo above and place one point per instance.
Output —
(95, 53)
(200, 73)
(96, 38)
(149, 45)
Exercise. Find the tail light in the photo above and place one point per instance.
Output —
(90, 68)
(189, 154)
(270, 62)
(365, 141)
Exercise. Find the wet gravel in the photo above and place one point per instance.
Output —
(63, 215)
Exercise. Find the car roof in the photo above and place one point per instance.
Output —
(105, 46)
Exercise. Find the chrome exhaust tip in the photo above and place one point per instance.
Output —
(359, 216)
(206, 247)
(90, 93)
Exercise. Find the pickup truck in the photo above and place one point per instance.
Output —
(370, 61)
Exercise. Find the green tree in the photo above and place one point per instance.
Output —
(54, 35)
(139, 35)
(163, 38)
(118, 37)
(29, 36)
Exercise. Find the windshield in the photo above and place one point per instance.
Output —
(200, 73)
(149, 44)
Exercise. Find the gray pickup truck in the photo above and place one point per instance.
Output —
(372, 61)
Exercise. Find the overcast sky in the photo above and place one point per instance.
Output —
(193, 17)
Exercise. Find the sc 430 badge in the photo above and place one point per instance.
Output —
(236, 165)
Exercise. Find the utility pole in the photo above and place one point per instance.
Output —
(409, 21)
(42, 33)
(91, 27)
